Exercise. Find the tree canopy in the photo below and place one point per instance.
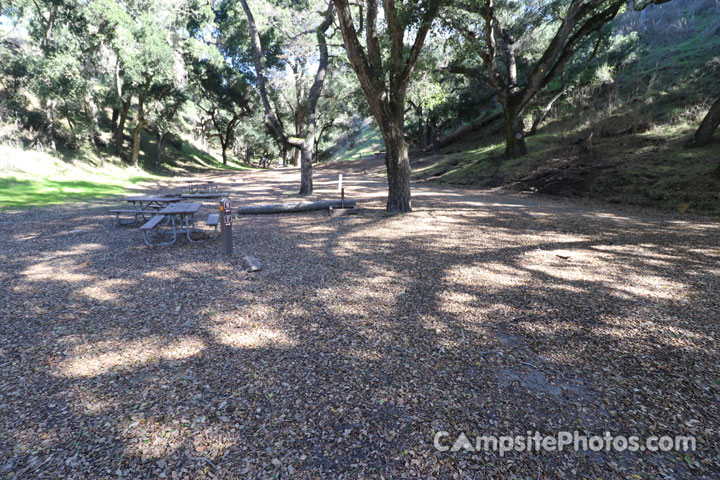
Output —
(267, 79)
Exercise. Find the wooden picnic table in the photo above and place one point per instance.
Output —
(152, 201)
(180, 212)
(200, 187)
(209, 195)
(143, 205)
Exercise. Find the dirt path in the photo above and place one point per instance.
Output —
(360, 339)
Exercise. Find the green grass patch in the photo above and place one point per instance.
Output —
(29, 178)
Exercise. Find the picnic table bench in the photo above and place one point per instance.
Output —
(130, 211)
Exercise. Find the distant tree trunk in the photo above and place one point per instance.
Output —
(306, 181)
(118, 92)
(544, 112)
(284, 156)
(114, 120)
(95, 136)
(422, 127)
(120, 131)
(50, 108)
(141, 122)
(318, 138)
(225, 135)
(137, 134)
(708, 126)
(514, 134)
(48, 25)
(432, 135)
(223, 146)
(160, 140)
(300, 111)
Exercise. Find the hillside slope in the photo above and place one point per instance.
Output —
(619, 138)
(36, 176)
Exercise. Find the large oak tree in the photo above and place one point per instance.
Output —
(385, 75)
(305, 142)
(491, 28)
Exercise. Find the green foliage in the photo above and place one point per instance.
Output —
(67, 65)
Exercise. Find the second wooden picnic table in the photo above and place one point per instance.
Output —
(156, 202)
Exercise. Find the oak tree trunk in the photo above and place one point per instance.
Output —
(306, 181)
(543, 113)
(387, 99)
(422, 136)
(514, 134)
(398, 170)
(305, 118)
(708, 126)
(141, 123)
(120, 131)
(136, 142)
(432, 135)
(114, 120)
(300, 129)
(224, 147)
(160, 141)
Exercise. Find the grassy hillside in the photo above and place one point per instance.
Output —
(30, 177)
(619, 139)
(37, 177)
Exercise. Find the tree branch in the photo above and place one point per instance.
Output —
(270, 118)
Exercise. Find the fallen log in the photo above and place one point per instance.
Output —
(292, 207)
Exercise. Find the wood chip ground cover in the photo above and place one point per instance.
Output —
(481, 312)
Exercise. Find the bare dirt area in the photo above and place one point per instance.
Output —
(360, 339)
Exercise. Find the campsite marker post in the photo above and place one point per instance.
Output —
(342, 192)
(226, 226)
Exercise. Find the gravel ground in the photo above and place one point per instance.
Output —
(480, 313)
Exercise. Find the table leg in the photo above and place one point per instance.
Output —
(147, 241)
(187, 227)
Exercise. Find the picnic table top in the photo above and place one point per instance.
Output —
(180, 208)
(152, 198)
(205, 195)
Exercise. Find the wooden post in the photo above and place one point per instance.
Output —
(226, 226)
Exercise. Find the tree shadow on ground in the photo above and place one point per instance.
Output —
(360, 339)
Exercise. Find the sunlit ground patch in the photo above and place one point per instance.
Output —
(60, 270)
(90, 360)
(104, 290)
(239, 332)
